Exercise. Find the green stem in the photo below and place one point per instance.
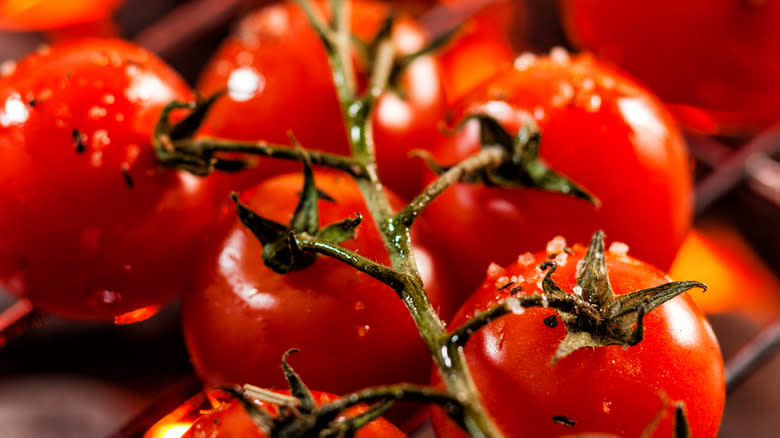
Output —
(486, 157)
(208, 146)
(379, 271)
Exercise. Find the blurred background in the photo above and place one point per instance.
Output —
(73, 379)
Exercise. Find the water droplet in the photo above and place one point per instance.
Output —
(593, 103)
(587, 85)
(244, 83)
(96, 112)
(14, 111)
(559, 55)
(359, 305)
(363, 330)
(525, 61)
(7, 68)
(577, 290)
(100, 139)
(109, 98)
(606, 406)
(119, 117)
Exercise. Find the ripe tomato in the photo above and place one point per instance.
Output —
(722, 75)
(484, 45)
(611, 390)
(278, 79)
(350, 328)
(94, 227)
(50, 14)
(598, 128)
(231, 420)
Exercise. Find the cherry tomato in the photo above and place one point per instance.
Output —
(721, 75)
(231, 420)
(94, 227)
(598, 128)
(50, 14)
(351, 329)
(278, 79)
(607, 391)
(484, 45)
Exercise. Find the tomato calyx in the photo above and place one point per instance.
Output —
(198, 161)
(620, 320)
(523, 167)
(593, 315)
(281, 250)
(298, 416)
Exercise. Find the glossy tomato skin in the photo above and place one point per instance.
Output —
(598, 128)
(612, 390)
(722, 76)
(484, 45)
(94, 226)
(351, 329)
(23, 15)
(230, 420)
(278, 79)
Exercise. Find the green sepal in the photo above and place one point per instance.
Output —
(197, 162)
(264, 420)
(280, 250)
(523, 166)
(306, 218)
(341, 231)
(284, 255)
(297, 388)
(681, 427)
(188, 126)
(592, 276)
(620, 318)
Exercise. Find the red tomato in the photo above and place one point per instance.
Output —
(610, 390)
(278, 80)
(721, 74)
(598, 128)
(351, 329)
(484, 45)
(94, 226)
(50, 14)
(231, 420)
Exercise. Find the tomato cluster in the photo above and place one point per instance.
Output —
(84, 176)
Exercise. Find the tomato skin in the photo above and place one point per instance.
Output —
(350, 328)
(605, 390)
(230, 420)
(76, 239)
(280, 59)
(626, 150)
(726, 64)
(24, 15)
(484, 45)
